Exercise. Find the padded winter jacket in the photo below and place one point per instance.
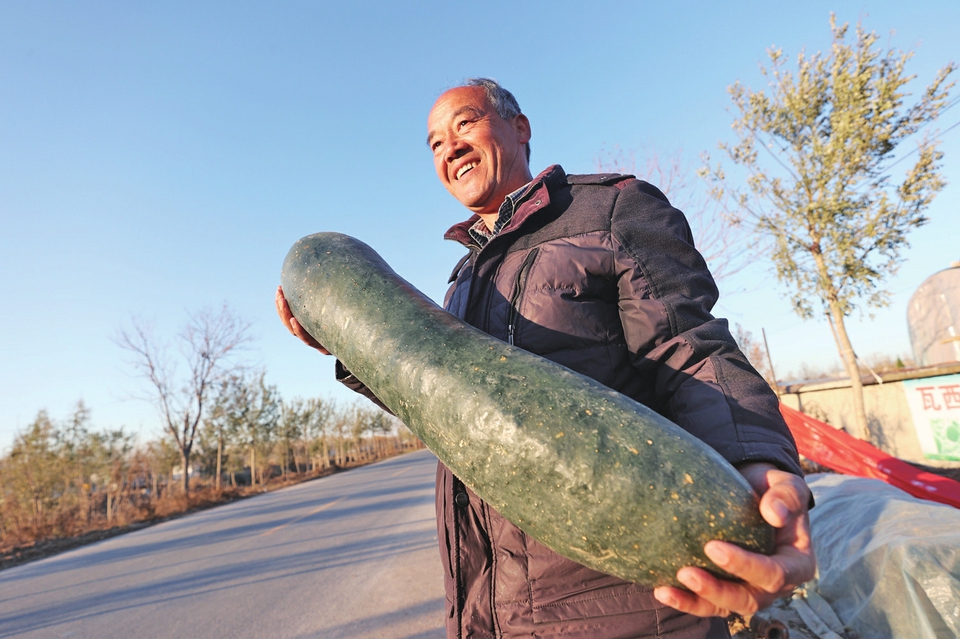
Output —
(598, 273)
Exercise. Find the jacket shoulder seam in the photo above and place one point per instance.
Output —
(655, 292)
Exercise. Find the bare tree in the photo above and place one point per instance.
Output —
(755, 353)
(724, 243)
(207, 344)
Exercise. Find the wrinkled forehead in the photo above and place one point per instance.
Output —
(457, 102)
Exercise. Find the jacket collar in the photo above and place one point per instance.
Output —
(538, 198)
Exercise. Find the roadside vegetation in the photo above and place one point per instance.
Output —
(64, 483)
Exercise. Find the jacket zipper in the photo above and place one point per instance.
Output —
(517, 292)
(456, 485)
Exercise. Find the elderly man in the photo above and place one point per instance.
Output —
(598, 273)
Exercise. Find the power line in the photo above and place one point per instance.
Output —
(949, 105)
(915, 149)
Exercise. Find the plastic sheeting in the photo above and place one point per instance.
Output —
(839, 451)
(889, 563)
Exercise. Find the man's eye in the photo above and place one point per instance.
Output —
(462, 123)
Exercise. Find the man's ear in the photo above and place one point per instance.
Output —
(522, 125)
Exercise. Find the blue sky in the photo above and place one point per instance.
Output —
(158, 158)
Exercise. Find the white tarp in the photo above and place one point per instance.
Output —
(888, 563)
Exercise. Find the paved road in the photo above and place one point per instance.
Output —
(351, 555)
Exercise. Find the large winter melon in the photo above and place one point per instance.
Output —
(589, 472)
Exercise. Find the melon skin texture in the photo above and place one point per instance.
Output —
(585, 470)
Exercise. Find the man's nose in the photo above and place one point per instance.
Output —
(454, 149)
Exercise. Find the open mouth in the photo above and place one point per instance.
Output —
(465, 169)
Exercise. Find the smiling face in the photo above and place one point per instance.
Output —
(479, 157)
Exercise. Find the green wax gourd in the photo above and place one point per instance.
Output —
(587, 471)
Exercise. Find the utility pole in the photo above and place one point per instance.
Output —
(773, 373)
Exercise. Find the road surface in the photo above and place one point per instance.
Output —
(350, 555)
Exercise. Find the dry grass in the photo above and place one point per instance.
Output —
(69, 532)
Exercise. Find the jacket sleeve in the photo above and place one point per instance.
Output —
(350, 380)
(699, 378)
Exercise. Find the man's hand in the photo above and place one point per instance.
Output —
(783, 504)
(286, 316)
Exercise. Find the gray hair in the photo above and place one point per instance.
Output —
(502, 100)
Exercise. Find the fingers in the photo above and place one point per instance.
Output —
(709, 596)
(762, 573)
(768, 577)
(783, 495)
(283, 310)
(786, 498)
(690, 602)
(286, 316)
(783, 504)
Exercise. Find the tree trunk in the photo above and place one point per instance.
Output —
(253, 465)
(219, 460)
(860, 428)
(84, 499)
(185, 459)
(296, 458)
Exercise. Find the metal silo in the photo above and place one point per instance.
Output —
(933, 317)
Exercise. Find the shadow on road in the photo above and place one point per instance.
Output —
(389, 625)
(225, 554)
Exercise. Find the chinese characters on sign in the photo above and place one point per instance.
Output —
(935, 405)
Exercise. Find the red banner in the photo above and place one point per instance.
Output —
(827, 446)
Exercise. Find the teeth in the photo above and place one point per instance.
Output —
(466, 167)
